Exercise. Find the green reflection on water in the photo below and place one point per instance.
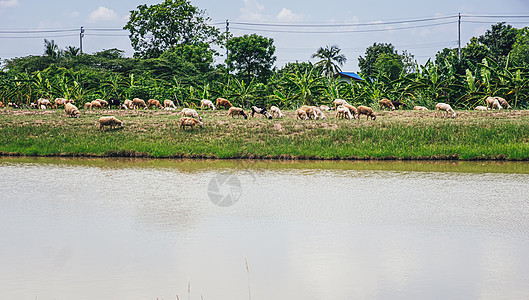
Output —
(198, 165)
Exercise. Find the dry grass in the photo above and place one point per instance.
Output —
(402, 134)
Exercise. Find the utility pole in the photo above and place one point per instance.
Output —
(459, 37)
(226, 45)
(81, 35)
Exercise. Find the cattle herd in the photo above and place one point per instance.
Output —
(191, 118)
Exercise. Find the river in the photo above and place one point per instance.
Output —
(234, 229)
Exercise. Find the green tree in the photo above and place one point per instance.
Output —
(473, 54)
(330, 59)
(389, 65)
(51, 49)
(520, 50)
(251, 56)
(72, 51)
(157, 28)
(500, 40)
(368, 63)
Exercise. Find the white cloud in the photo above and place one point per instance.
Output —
(252, 11)
(8, 3)
(286, 15)
(102, 14)
(74, 14)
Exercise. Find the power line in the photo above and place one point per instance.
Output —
(36, 31)
(37, 37)
(373, 23)
(495, 16)
(346, 31)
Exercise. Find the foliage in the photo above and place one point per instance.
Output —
(499, 40)
(160, 27)
(330, 59)
(252, 56)
(186, 73)
(519, 54)
(368, 64)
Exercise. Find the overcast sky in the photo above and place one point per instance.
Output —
(400, 23)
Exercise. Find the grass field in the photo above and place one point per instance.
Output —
(404, 134)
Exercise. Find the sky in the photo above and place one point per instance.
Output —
(419, 27)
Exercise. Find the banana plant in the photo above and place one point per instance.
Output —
(306, 85)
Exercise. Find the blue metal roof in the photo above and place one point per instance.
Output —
(351, 75)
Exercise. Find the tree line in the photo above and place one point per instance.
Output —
(175, 59)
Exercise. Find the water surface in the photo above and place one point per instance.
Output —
(147, 229)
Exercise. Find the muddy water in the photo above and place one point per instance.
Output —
(147, 229)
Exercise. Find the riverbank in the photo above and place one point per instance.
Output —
(397, 135)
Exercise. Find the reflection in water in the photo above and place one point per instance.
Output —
(140, 229)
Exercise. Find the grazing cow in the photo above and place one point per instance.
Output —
(33, 105)
(223, 102)
(168, 104)
(262, 111)
(235, 111)
(87, 105)
(503, 102)
(445, 107)
(364, 110)
(398, 104)
(493, 103)
(205, 103)
(189, 122)
(137, 103)
(480, 107)
(275, 111)
(419, 108)
(114, 102)
(385, 103)
(71, 110)
(12, 105)
(155, 103)
(301, 114)
(343, 112)
(109, 121)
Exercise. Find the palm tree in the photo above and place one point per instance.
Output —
(72, 51)
(51, 49)
(330, 59)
